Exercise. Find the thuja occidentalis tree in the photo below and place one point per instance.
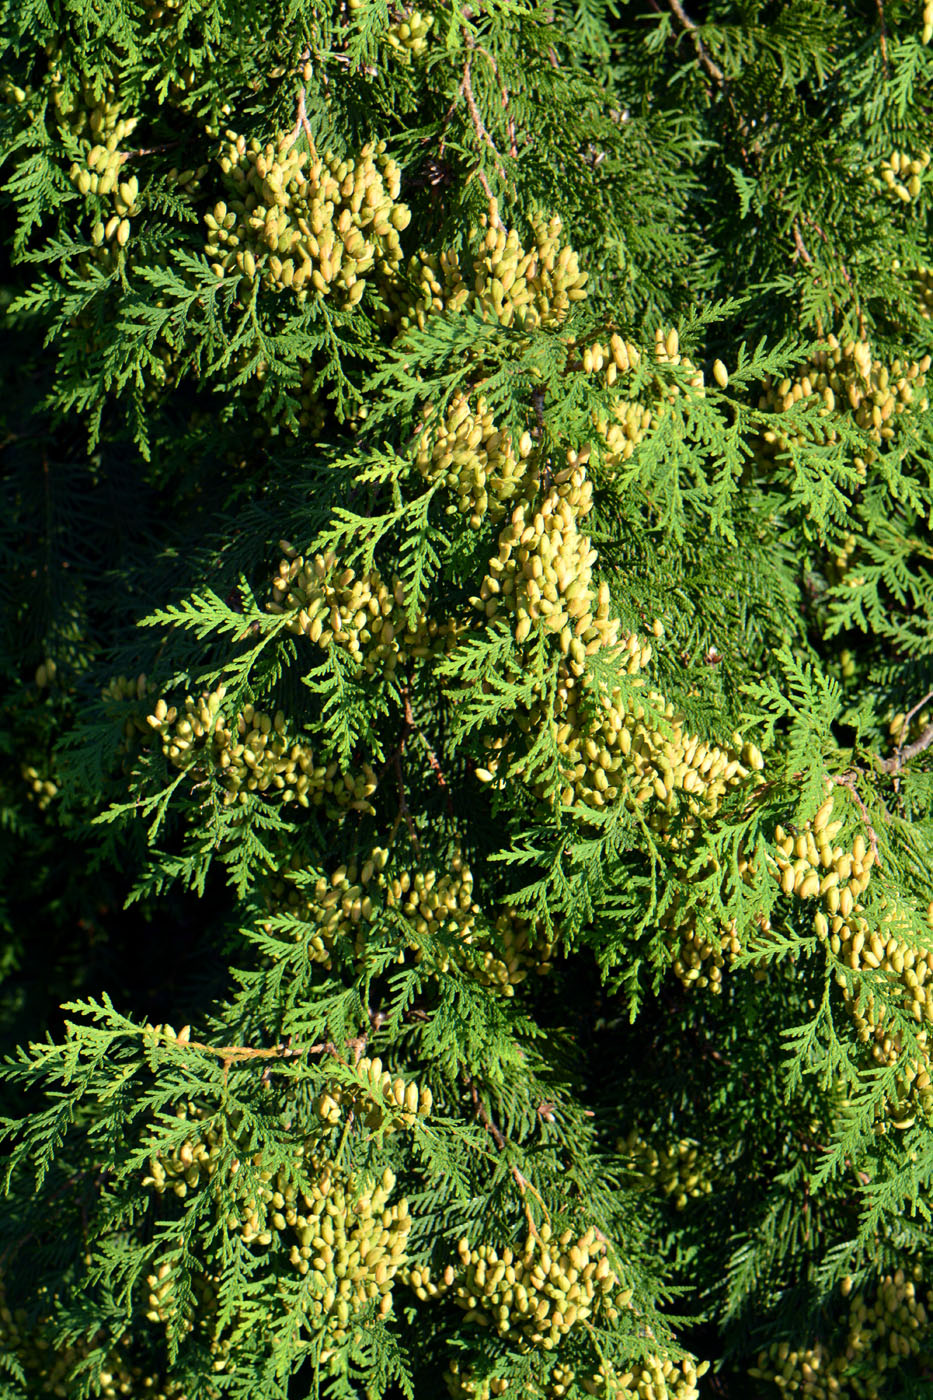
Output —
(467, 743)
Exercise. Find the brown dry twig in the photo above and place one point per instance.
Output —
(743, 131)
(808, 219)
(904, 753)
(847, 780)
(403, 808)
(465, 90)
(884, 37)
(437, 770)
(301, 118)
(703, 54)
(479, 126)
(233, 1054)
(800, 246)
(409, 727)
(394, 761)
(513, 149)
(498, 1138)
(301, 122)
(124, 156)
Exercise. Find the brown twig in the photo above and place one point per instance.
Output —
(301, 122)
(847, 780)
(301, 117)
(438, 772)
(233, 1054)
(482, 1114)
(884, 37)
(686, 23)
(498, 1138)
(146, 151)
(465, 90)
(487, 190)
(808, 218)
(409, 727)
(715, 72)
(800, 246)
(479, 126)
(395, 762)
(403, 808)
(408, 717)
(513, 149)
(903, 754)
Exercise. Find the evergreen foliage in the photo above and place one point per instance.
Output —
(467, 748)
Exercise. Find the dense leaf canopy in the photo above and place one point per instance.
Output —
(466, 755)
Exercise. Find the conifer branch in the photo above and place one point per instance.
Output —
(808, 218)
(232, 1054)
(301, 121)
(905, 752)
(884, 37)
(799, 244)
(438, 772)
(479, 126)
(140, 151)
(513, 149)
(395, 762)
(404, 811)
(465, 90)
(521, 1181)
(848, 781)
(686, 23)
(301, 113)
(634, 866)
